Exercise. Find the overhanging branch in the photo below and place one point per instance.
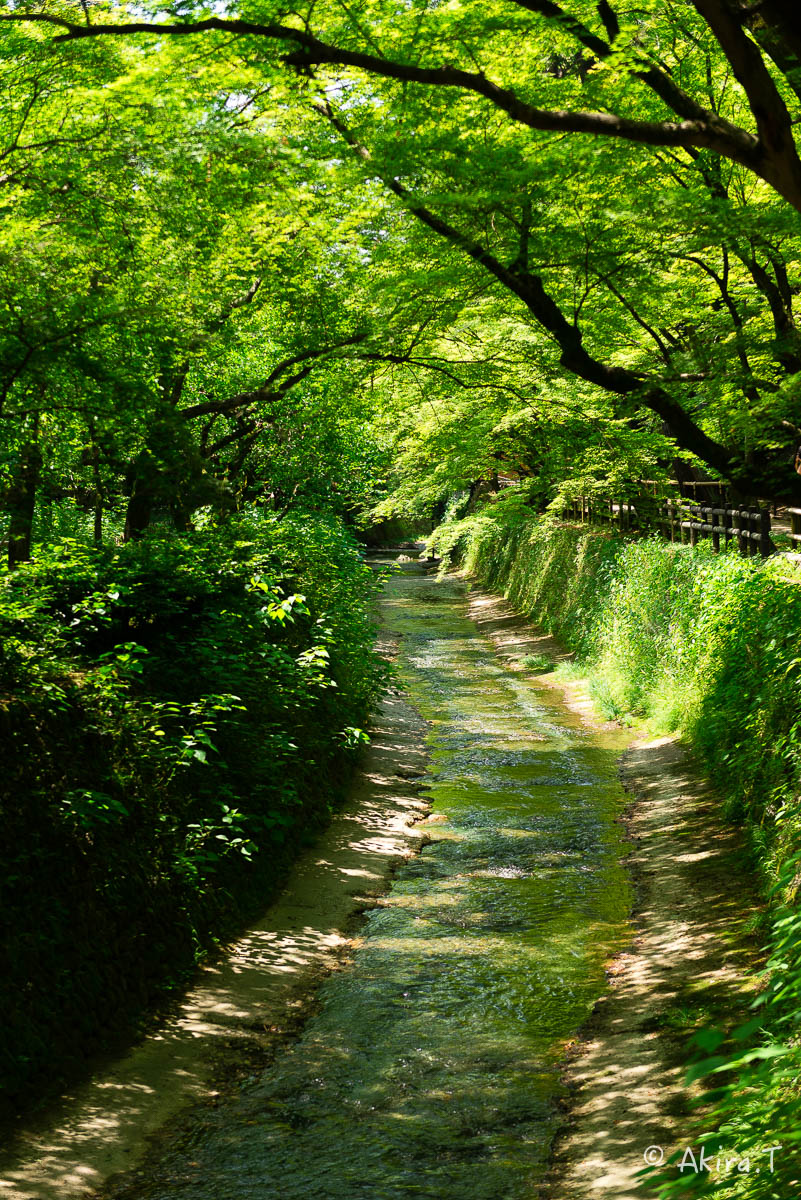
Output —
(574, 356)
(702, 129)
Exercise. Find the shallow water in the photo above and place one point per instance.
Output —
(431, 1066)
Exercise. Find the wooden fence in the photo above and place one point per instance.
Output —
(682, 520)
(795, 522)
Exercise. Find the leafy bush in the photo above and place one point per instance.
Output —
(177, 714)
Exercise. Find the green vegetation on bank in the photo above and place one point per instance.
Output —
(698, 643)
(177, 715)
(707, 646)
(266, 274)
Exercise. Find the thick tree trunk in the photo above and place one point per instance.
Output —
(142, 483)
(22, 504)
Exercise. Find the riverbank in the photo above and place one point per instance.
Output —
(431, 1064)
(692, 959)
(622, 1078)
(693, 643)
(248, 1004)
(179, 715)
(703, 647)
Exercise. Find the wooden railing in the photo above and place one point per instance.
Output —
(795, 521)
(683, 520)
(750, 526)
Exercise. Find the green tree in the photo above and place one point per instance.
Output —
(674, 126)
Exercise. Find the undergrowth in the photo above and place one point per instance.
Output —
(706, 646)
(176, 715)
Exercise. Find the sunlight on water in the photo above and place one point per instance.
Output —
(431, 1067)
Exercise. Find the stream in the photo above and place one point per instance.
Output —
(431, 1064)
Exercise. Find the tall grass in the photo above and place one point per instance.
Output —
(707, 646)
(695, 643)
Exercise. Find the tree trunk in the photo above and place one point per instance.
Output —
(94, 459)
(22, 502)
(142, 481)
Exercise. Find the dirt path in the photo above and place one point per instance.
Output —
(691, 958)
(246, 1005)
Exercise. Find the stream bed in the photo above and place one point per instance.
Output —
(430, 1067)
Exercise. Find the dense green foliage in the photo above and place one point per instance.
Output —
(268, 273)
(246, 254)
(705, 645)
(176, 716)
(697, 643)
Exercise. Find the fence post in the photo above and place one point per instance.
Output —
(795, 523)
(764, 532)
(742, 540)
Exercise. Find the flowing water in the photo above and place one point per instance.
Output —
(431, 1067)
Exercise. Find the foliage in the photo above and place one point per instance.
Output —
(265, 266)
(750, 1076)
(705, 645)
(178, 714)
(591, 179)
(262, 271)
(698, 643)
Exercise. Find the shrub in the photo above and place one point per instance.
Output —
(177, 715)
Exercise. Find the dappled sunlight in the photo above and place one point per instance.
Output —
(241, 1002)
(689, 960)
(439, 1048)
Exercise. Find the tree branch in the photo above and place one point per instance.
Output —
(574, 357)
(267, 392)
(702, 129)
(781, 165)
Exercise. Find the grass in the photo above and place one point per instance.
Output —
(705, 646)
(537, 662)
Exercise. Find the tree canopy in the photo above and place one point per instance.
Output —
(378, 253)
